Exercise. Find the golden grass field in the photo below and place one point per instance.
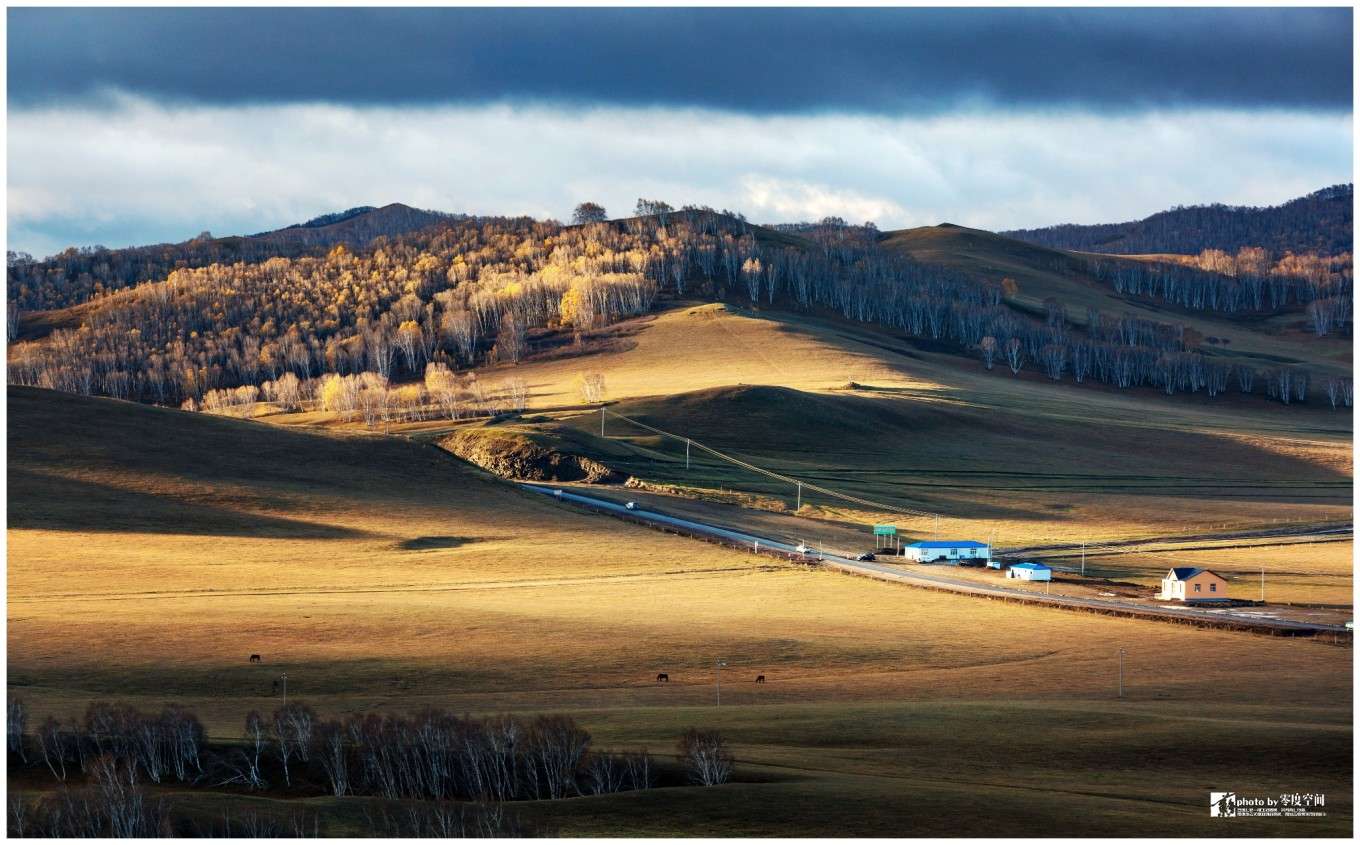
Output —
(151, 551)
(1022, 462)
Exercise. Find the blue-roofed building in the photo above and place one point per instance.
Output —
(928, 551)
(1029, 571)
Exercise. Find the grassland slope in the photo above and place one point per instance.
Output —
(403, 578)
(1041, 273)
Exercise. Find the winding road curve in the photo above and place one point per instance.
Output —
(889, 572)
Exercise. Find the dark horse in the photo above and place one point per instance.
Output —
(760, 679)
(663, 677)
(254, 658)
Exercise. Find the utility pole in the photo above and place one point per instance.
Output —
(1263, 583)
(800, 497)
(602, 421)
(686, 453)
(717, 677)
(284, 678)
(1083, 558)
(937, 526)
(1121, 673)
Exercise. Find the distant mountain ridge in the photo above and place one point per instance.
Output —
(336, 217)
(1321, 222)
(357, 226)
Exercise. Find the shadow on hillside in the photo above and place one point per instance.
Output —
(420, 544)
(54, 503)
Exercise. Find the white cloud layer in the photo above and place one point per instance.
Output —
(141, 171)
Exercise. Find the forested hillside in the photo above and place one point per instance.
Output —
(79, 274)
(1319, 223)
(360, 327)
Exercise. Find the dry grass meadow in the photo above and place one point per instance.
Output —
(152, 551)
(1019, 461)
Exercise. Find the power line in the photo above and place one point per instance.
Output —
(798, 483)
(1136, 550)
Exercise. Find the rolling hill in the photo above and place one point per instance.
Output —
(474, 292)
(885, 417)
(357, 227)
(151, 551)
(1042, 274)
(1320, 222)
(71, 277)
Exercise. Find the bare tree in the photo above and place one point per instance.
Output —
(988, 347)
(460, 326)
(706, 756)
(292, 728)
(517, 394)
(16, 717)
(557, 747)
(511, 339)
(1015, 355)
(256, 739)
(381, 352)
(333, 752)
(55, 743)
(121, 801)
(1054, 356)
(19, 813)
(591, 388)
(184, 736)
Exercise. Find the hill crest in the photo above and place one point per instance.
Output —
(1320, 222)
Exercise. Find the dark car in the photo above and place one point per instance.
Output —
(972, 562)
(865, 556)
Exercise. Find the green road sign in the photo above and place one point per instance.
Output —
(885, 530)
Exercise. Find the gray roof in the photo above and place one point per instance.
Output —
(1184, 573)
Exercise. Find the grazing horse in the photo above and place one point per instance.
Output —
(663, 677)
(254, 658)
(760, 679)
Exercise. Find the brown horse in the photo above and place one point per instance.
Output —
(663, 677)
(760, 679)
(254, 658)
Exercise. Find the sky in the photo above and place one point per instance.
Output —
(149, 125)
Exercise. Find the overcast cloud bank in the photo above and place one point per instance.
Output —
(141, 171)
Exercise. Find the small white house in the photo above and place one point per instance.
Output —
(1029, 572)
(928, 551)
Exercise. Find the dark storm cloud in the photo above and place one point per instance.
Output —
(750, 60)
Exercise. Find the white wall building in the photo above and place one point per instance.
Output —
(928, 551)
(1029, 572)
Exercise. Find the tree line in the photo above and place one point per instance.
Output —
(79, 274)
(478, 291)
(1247, 282)
(103, 761)
(1321, 223)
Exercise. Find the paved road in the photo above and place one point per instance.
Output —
(890, 572)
